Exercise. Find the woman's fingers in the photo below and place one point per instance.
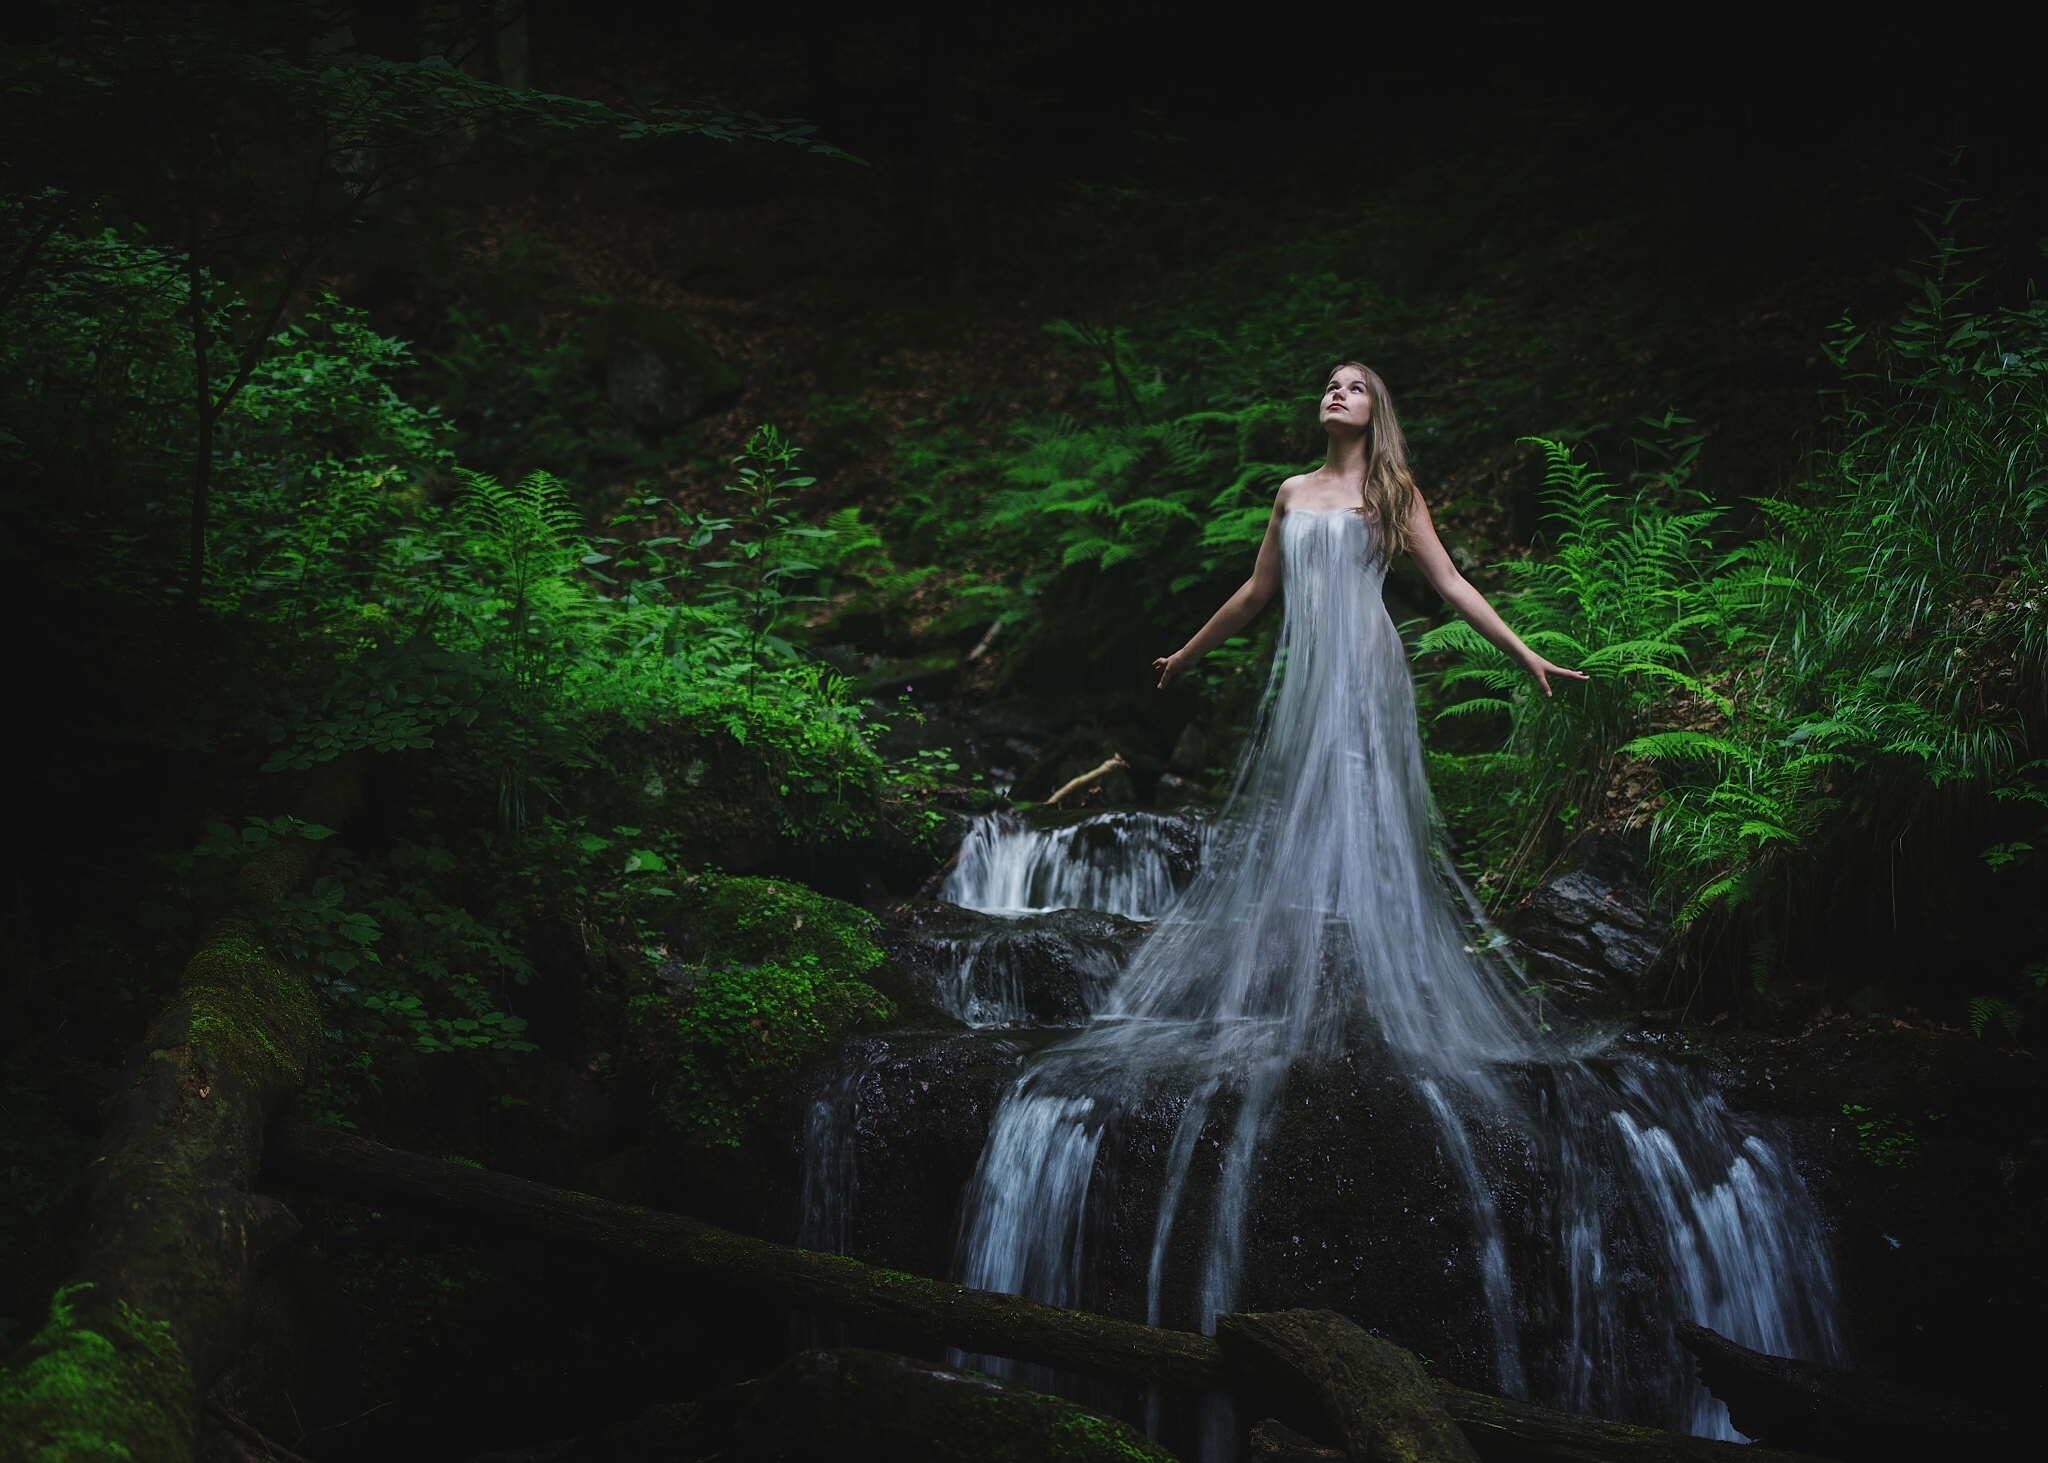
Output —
(1543, 670)
(1164, 665)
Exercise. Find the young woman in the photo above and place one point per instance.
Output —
(1365, 474)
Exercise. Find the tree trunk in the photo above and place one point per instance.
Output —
(1499, 1430)
(1503, 1430)
(974, 1320)
(173, 1233)
(1374, 1393)
(1838, 1414)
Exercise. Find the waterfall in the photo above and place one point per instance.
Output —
(1322, 921)
(1125, 863)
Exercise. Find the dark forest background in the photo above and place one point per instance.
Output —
(377, 377)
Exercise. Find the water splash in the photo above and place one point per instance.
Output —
(1323, 920)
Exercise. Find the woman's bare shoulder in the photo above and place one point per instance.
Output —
(1288, 489)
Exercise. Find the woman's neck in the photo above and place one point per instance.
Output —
(1346, 460)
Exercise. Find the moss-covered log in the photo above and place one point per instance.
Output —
(1500, 1431)
(1838, 1414)
(172, 1232)
(852, 1405)
(1374, 1393)
(974, 1320)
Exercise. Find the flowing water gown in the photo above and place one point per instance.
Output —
(1324, 919)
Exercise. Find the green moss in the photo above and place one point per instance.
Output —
(731, 1043)
(751, 921)
(1091, 1435)
(114, 1388)
(254, 1013)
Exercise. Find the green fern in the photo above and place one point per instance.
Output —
(1983, 1010)
(1889, 624)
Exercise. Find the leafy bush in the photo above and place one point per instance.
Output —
(368, 594)
(1884, 635)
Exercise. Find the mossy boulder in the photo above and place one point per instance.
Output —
(752, 921)
(763, 976)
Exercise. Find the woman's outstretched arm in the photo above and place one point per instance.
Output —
(1237, 611)
(1435, 563)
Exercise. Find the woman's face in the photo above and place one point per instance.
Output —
(1346, 403)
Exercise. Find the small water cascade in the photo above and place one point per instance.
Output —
(1127, 863)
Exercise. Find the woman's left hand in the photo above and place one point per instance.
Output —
(1543, 670)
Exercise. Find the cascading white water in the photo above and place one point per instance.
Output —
(1322, 920)
(1121, 863)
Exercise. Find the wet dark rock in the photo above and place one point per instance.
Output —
(1001, 970)
(1355, 1209)
(919, 1110)
(1178, 792)
(1591, 931)
(918, 1113)
(658, 371)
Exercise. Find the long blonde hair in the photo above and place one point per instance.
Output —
(1390, 492)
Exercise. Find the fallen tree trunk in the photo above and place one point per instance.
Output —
(1371, 1390)
(854, 1404)
(1838, 1414)
(173, 1234)
(1500, 1431)
(974, 1320)
(1503, 1430)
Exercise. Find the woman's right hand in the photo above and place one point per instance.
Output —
(1168, 667)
